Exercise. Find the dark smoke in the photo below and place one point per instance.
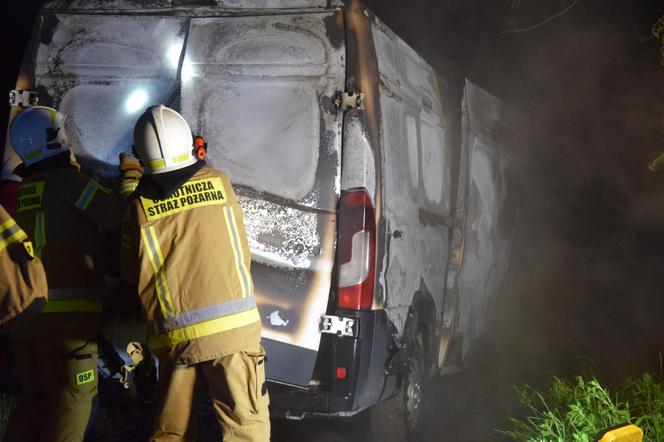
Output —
(585, 286)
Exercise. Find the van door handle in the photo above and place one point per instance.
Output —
(397, 234)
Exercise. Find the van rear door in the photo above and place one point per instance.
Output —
(486, 210)
(261, 90)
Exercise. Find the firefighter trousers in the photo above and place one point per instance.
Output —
(236, 385)
(58, 376)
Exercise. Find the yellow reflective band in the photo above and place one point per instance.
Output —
(157, 260)
(85, 377)
(33, 154)
(10, 232)
(182, 157)
(76, 305)
(192, 194)
(40, 233)
(156, 164)
(30, 196)
(104, 189)
(88, 193)
(234, 237)
(127, 188)
(7, 224)
(206, 328)
(53, 113)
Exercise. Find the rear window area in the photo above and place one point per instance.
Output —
(259, 89)
(102, 72)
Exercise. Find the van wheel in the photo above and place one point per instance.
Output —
(414, 391)
(400, 417)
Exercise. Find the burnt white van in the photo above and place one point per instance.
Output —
(379, 203)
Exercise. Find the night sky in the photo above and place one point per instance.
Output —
(18, 19)
(585, 287)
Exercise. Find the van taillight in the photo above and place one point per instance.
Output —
(356, 250)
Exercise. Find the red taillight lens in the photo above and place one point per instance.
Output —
(356, 250)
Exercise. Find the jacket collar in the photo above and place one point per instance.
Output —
(162, 185)
(59, 161)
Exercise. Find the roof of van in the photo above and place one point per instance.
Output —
(230, 6)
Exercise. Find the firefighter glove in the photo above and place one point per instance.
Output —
(131, 172)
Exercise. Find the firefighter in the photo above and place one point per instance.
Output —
(22, 278)
(186, 251)
(68, 216)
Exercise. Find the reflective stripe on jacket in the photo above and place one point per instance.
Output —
(189, 257)
(66, 212)
(10, 232)
(22, 278)
(73, 300)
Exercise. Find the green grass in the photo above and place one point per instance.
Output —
(576, 411)
(645, 396)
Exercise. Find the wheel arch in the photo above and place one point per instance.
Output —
(422, 325)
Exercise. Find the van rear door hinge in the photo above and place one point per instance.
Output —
(336, 325)
(23, 98)
(344, 101)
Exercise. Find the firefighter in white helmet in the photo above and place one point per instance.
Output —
(186, 251)
(67, 215)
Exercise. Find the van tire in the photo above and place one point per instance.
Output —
(400, 418)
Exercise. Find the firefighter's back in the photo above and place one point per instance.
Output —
(194, 259)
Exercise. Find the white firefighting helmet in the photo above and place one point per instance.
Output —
(163, 140)
(37, 133)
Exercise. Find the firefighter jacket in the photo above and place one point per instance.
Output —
(22, 278)
(66, 215)
(189, 258)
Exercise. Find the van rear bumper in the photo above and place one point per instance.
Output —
(363, 358)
